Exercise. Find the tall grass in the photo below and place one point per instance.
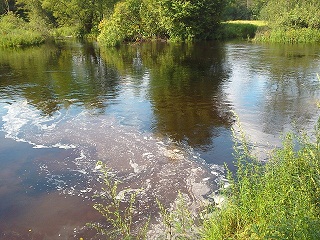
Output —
(276, 200)
(117, 208)
(238, 29)
(301, 35)
(16, 32)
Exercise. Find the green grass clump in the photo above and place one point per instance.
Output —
(16, 32)
(66, 32)
(240, 29)
(276, 200)
(299, 35)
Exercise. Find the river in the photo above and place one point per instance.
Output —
(159, 115)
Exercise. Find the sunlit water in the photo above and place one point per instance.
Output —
(158, 115)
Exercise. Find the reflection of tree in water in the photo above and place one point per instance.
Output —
(183, 87)
(52, 77)
(291, 85)
(185, 90)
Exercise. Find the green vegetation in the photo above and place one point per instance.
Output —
(275, 200)
(119, 209)
(278, 199)
(117, 213)
(16, 32)
(243, 9)
(116, 21)
(174, 20)
(243, 29)
(291, 21)
(303, 35)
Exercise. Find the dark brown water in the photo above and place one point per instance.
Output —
(158, 115)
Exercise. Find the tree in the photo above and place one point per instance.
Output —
(177, 20)
(86, 14)
(292, 14)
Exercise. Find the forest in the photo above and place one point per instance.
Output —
(28, 22)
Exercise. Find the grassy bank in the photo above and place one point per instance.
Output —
(16, 32)
(240, 29)
(300, 35)
(278, 200)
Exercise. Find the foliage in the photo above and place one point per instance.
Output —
(278, 200)
(176, 20)
(303, 35)
(238, 29)
(243, 9)
(236, 10)
(117, 213)
(82, 14)
(292, 14)
(291, 21)
(16, 32)
(124, 24)
(179, 222)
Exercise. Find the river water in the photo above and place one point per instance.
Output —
(159, 115)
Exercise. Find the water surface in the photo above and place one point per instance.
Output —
(159, 115)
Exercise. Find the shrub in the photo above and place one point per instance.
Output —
(173, 19)
(276, 200)
(123, 24)
(303, 35)
(16, 32)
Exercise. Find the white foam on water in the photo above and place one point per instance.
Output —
(156, 164)
(22, 121)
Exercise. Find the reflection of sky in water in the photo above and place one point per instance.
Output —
(272, 93)
(132, 106)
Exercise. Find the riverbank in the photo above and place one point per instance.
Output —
(277, 200)
(15, 32)
(239, 29)
(301, 35)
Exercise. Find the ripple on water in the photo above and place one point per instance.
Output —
(158, 165)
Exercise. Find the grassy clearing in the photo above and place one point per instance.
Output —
(258, 23)
(239, 29)
(276, 200)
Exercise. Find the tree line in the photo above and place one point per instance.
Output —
(115, 21)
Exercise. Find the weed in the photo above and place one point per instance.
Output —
(117, 212)
(275, 200)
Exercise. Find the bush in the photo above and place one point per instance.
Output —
(292, 14)
(16, 32)
(123, 24)
(277, 200)
(173, 19)
(238, 30)
(303, 35)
